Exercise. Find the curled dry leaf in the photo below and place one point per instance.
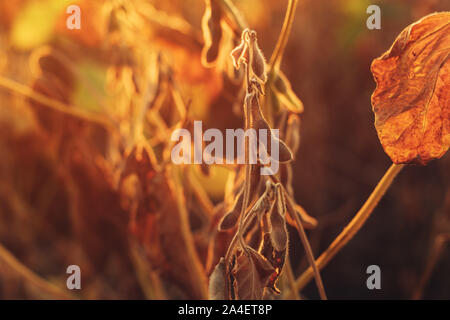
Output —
(412, 99)
(240, 53)
(252, 273)
(248, 50)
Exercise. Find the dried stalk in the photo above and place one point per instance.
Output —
(277, 55)
(309, 253)
(352, 228)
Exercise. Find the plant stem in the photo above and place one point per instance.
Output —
(352, 228)
(248, 166)
(277, 55)
(309, 253)
(435, 253)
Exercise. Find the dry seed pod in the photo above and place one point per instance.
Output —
(212, 33)
(230, 219)
(258, 123)
(283, 90)
(261, 206)
(258, 62)
(255, 236)
(218, 282)
(278, 234)
(285, 154)
(264, 202)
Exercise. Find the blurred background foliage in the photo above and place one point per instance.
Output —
(57, 210)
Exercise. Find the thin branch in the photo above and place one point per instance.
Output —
(352, 228)
(277, 55)
(309, 253)
(436, 252)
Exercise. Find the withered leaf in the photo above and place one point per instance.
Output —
(239, 54)
(412, 99)
(252, 273)
(218, 282)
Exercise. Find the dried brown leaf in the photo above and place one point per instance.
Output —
(252, 273)
(412, 99)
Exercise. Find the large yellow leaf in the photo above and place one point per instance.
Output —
(412, 99)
